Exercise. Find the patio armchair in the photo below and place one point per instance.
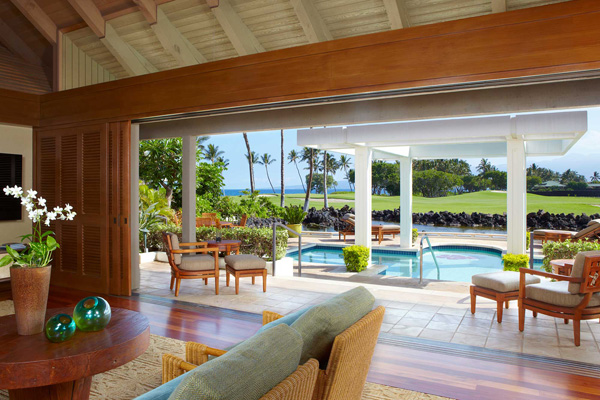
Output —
(206, 221)
(378, 231)
(573, 297)
(192, 263)
(242, 222)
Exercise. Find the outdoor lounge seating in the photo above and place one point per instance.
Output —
(245, 265)
(188, 264)
(501, 287)
(590, 232)
(378, 231)
(573, 297)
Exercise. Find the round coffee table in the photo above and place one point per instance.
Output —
(32, 367)
(227, 246)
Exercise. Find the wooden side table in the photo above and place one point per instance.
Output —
(562, 266)
(226, 246)
(32, 367)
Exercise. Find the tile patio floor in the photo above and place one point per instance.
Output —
(432, 314)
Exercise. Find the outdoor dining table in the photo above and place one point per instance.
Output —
(226, 246)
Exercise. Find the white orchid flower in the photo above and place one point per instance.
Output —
(68, 207)
(31, 193)
(42, 201)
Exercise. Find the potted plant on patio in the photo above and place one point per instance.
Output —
(30, 270)
(293, 216)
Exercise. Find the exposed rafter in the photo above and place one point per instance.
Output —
(90, 14)
(39, 19)
(15, 44)
(241, 37)
(396, 11)
(129, 58)
(174, 42)
(498, 6)
(312, 23)
(148, 9)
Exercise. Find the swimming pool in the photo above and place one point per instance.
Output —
(456, 263)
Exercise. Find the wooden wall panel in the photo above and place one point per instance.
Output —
(19, 108)
(560, 38)
(79, 69)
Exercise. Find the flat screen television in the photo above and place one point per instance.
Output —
(11, 174)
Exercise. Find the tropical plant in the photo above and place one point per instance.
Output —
(533, 181)
(485, 166)
(254, 205)
(433, 183)
(317, 182)
(571, 176)
(595, 178)
(356, 258)
(566, 249)
(41, 244)
(325, 176)
(149, 196)
(513, 262)
(293, 215)
(267, 160)
(282, 197)
(293, 157)
(308, 155)
(344, 164)
(251, 161)
(212, 153)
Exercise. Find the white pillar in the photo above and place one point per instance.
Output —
(406, 202)
(134, 198)
(516, 196)
(188, 223)
(362, 163)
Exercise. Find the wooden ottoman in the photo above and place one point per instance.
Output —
(501, 286)
(241, 265)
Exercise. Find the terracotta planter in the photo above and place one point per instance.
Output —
(30, 296)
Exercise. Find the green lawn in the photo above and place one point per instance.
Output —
(484, 202)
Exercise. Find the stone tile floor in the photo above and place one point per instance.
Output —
(432, 314)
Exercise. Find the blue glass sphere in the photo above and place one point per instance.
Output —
(92, 314)
(60, 327)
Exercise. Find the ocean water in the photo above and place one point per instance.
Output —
(238, 192)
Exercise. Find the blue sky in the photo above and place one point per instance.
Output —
(583, 157)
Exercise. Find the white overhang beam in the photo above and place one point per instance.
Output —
(397, 14)
(311, 22)
(498, 6)
(239, 34)
(174, 42)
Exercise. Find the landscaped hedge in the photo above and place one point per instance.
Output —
(567, 249)
(257, 241)
(514, 262)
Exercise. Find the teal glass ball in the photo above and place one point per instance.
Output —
(60, 327)
(92, 314)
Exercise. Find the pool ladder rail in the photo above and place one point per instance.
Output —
(425, 237)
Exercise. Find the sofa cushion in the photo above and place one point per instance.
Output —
(577, 270)
(245, 261)
(175, 246)
(323, 322)
(502, 281)
(557, 293)
(390, 228)
(163, 391)
(246, 372)
(197, 262)
(288, 319)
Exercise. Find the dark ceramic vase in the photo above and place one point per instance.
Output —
(30, 296)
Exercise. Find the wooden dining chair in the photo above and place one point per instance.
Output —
(192, 263)
(204, 221)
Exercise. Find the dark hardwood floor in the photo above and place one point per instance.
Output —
(452, 374)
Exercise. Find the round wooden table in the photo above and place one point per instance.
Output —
(226, 246)
(562, 266)
(32, 367)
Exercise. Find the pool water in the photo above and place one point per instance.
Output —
(456, 263)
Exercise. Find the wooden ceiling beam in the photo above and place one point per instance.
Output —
(129, 58)
(241, 37)
(396, 11)
(39, 19)
(498, 6)
(149, 9)
(91, 15)
(174, 42)
(312, 23)
(15, 44)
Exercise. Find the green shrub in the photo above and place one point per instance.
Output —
(512, 262)
(257, 241)
(293, 215)
(566, 249)
(528, 239)
(356, 258)
(415, 235)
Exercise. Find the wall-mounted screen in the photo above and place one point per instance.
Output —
(11, 174)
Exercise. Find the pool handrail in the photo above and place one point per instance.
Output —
(275, 225)
(425, 237)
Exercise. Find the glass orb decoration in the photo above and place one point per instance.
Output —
(92, 314)
(60, 327)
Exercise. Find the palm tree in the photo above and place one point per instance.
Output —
(212, 153)
(308, 155)
(325, 202)
(485, 166)
(344, 164)
(223, 161)
(282, 203)
(251, 161)
(293, 157)
(595, 177)
(332, 167)
(266, 160)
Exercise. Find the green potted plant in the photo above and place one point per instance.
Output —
(356, 258)
(293, 216)
(30, 270)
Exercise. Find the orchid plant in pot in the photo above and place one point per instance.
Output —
(30, 270)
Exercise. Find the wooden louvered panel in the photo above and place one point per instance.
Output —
(69, 247)
(91, 173)
(68, 171)
(47, 160)
(92, 254)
